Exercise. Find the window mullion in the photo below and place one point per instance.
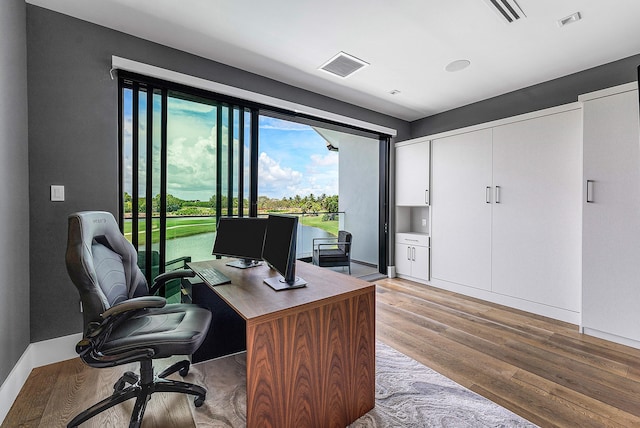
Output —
(241, 162)
(163, 177)
(135, 129)
(218, 162)
(230, 170)
(148, 264)
(253, 165)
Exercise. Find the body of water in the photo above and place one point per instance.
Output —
(199, 246)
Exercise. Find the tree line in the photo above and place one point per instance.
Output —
(300, 204)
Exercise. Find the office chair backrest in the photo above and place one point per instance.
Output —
(344, 236)
(101, 263)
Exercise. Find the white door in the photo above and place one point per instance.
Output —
(412, 174)
(461, 209)
(611, 221)
(536, 212)
(403, 259)
(420, 263)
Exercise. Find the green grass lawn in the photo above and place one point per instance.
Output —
(316, 221)
(178, 227)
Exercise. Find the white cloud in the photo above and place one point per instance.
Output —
(273, 175)
(282, 125)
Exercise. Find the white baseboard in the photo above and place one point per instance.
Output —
(611, 337)
(36, 355)
(560, 314)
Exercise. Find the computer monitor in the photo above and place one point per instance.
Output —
(279, 251)
(242, 238)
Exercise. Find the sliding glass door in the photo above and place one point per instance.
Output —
(184, 163)
(188, 157)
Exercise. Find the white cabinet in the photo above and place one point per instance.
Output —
(611, 214)
(412, 255)
(535, 246)
(461, 209)
(506, 211)
(412, 173)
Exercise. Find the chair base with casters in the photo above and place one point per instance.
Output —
(141, 387)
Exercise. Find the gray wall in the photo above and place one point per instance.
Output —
(548, 94)
(14, 176)
(73, 138)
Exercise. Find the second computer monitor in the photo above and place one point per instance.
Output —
(279, 251)
(242, 238)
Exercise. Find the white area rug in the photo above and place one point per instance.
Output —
(408, 394)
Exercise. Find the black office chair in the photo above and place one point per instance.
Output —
(123, 321)
(335, 251)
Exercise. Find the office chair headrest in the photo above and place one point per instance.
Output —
(88, 231)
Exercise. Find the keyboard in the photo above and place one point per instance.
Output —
(213, 277)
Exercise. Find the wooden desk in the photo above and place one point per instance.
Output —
(310, 351)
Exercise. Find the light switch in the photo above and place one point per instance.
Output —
(57, 193)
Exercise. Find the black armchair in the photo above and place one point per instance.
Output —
(123, 323)
(335, 251)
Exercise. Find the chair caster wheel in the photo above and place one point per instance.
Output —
(119, 386)
(198, 401)
(128, 377)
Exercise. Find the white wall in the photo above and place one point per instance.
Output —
(14, 176)
(359, 194)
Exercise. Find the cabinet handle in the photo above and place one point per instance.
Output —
(426, 196)
(413, 254)
(408, 253)
(590, 191)
(487, 195)
(497, 194)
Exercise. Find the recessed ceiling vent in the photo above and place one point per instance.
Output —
(507, 10)
(343, 65)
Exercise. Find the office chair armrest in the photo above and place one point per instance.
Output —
(134, 304)
(86, 349)
(163, 278)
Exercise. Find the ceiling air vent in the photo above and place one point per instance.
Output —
(507, 10)
(343, 65)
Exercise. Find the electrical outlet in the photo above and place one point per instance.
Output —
(424, 221)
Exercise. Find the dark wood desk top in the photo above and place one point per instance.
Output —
(252, 299)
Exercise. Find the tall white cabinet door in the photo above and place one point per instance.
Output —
(611, 222)
(412, 174)
(461, 214)
(536, 214)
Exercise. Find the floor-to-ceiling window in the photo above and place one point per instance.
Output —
(185, 162)
(189, 157)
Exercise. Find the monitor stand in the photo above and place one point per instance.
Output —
(278, 283)
(244, 263)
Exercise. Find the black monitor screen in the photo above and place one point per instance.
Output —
(240, 237)
(280, 251)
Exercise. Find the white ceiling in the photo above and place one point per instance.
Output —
(407, 42)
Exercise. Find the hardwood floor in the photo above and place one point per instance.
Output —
(541, 369)
(54, 394)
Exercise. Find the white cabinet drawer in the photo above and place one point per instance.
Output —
(419, 239)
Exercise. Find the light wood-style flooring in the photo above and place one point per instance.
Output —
(541, 369)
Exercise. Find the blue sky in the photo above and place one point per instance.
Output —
(293, 158)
